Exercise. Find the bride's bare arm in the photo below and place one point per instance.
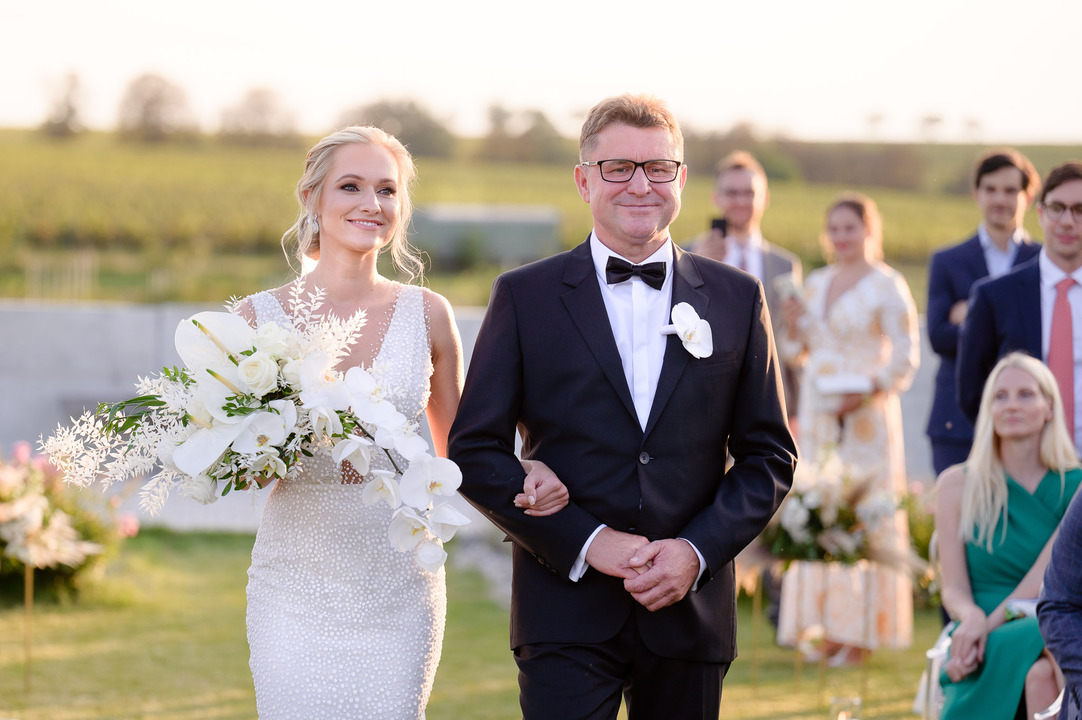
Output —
(447, 374)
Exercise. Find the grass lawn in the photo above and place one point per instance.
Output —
(162, 636)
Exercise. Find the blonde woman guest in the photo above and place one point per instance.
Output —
(340, 624)
(855, 333)
(996, 517)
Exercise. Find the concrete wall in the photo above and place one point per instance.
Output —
(56, 359)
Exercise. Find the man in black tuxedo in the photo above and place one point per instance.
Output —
(629, 589)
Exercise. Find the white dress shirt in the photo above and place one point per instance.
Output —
(637, 313)
(1050, 275)
(751, 252)
(999, 261)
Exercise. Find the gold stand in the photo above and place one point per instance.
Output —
(28, 604)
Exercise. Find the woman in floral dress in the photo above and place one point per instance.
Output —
(855, 334)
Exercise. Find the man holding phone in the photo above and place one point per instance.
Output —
(740, 193)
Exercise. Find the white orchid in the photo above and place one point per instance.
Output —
(694, 332)
(355, 450)
(368, 399)
(428, 477)
(325, 422)
(382, 488)
(431, 556)
(265, 429)
(321, 384)
(407, 529)
(401, 436)
(269, 465)
(445, 520)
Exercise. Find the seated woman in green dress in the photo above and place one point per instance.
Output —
(996, 516)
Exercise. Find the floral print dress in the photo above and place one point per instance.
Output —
(868, 333)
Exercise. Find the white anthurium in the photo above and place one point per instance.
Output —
(693, 331)
(382, 488)
(207, 339)
(428, 477)
(445, 520)
(407, 529)
(431, 556)
(321, 384)
(325, 422)
(356, 450)
(402, 437)
(368, 400)
(266, 428)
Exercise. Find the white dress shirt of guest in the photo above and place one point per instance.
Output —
(1000, 261)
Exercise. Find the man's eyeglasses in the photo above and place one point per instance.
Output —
(618, 171)
(1055, 210)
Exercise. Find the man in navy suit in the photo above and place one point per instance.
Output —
(629, 590)
(1014, 311)
(1004, 184)
(1059, 610)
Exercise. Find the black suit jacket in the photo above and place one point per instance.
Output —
(1004, 315)
(546, 363)
(951, 277)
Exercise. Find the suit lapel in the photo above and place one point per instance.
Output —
(1029, 301)
(686, 284)
(587, 310)
(976, 257)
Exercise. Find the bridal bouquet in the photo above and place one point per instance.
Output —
(832, 514)
(247, 406)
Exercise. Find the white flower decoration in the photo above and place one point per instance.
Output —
(382, 488)
(431, 556)
(694, 332)
(428, 477)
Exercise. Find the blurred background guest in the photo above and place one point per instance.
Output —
(1036, 308)
(736, 238)
(854, 331)
(996, 517)
(1004, 184)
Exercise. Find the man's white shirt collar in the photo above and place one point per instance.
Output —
(601, 254)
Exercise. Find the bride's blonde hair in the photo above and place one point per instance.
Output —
(984, 495)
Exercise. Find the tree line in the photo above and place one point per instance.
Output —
(154, 110)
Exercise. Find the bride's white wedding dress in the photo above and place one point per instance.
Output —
(340, 624)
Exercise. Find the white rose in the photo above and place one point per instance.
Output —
(291, 371)
(259, 372)
(274, 340)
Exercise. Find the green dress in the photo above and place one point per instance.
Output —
(995, 689)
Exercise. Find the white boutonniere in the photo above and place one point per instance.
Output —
(694, 332)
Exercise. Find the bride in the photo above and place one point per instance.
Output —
(340, 624)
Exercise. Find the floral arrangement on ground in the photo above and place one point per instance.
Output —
(248, 405)
(65, 535)
(833, 513)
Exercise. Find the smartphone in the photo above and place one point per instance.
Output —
(720, 224)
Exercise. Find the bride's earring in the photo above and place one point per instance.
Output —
(315, 224)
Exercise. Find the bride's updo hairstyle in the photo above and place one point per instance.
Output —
(316, 166)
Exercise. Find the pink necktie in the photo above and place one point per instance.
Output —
(1061, 350)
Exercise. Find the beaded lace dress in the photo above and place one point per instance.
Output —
(340, 624)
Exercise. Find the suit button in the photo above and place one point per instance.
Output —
(950, 425)
(644, 457)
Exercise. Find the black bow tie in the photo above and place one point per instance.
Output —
(617, 270)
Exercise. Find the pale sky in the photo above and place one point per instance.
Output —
(815, 69)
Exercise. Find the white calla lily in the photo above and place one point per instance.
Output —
(206, 340)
